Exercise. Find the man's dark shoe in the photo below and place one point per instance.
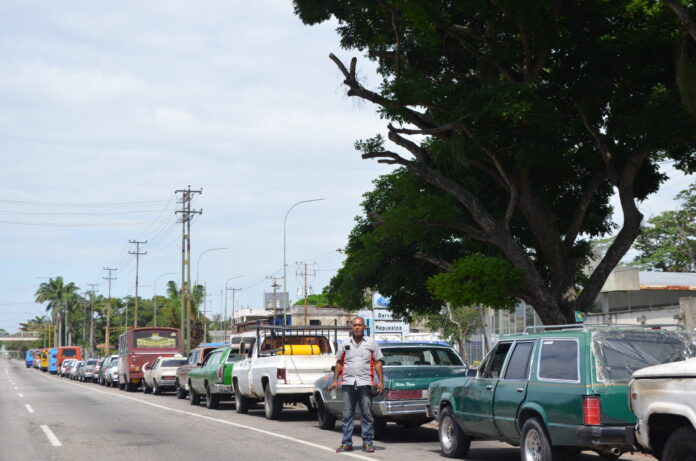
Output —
(344, 447)
(368, 448)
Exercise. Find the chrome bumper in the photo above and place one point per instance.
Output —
(400, 407)
(222, 388)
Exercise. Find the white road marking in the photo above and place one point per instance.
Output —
(229, 423)
(29, 408)
(51, 436)
(20, 394)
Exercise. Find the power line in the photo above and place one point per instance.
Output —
(79, 204)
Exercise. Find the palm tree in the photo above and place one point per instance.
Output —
(56, 293)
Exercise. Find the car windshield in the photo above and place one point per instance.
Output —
(173, 363)
(416, 356)
(620, 353)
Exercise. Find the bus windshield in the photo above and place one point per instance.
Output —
(154, 339)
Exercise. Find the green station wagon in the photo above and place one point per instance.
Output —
(213, 379)
(553, 391)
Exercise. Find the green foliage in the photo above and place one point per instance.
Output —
(686, 74)
(668, 242)
(319, 300)
(455, 324)
(478, 280)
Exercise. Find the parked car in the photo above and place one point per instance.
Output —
(214, 378)
(553, 391)
(87, 371)
(97, 370)
(75, 370)
(161, 375)
(663, 398)
(111, 373)
(101, 378)
(195, 359)
(409, 368)
(66, 366)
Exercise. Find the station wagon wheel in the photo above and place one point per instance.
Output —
(453, 441)
(146, 388)
(156, 389)
(681, 445)
(536, 444)
(324, 417)
(211, 400)
(195, 396)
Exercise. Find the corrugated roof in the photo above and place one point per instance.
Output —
(667, 280)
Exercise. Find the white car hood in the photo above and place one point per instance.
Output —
(686, 368)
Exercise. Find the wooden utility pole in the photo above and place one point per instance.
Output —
(304, 275)
(185, 216)
(275, 297)
(137, 254)
(108, 312)
(233, 290)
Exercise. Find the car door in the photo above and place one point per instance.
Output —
(512, 390)
(475, 403)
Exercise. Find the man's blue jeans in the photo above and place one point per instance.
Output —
(362, 395)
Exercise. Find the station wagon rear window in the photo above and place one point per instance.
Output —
(518, 368)
(416, 356)
(558, 360)
(620, 353)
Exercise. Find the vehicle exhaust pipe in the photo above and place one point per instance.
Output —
(616, 452)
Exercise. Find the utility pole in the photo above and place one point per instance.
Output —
(108, 311)
(275, 298)
(91, 321)
(305, 274)
(233, 290)
(185, 216)
(137, 254)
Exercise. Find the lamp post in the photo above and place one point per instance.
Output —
(154, 296)
(225, 309)
(188, 314)
(285, 297)
(199, 260)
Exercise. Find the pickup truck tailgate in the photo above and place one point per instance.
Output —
(306, 369)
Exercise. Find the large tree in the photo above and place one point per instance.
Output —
(60, 298)
(529, 115)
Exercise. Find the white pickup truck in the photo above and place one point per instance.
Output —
(282, 365)
(663, 398)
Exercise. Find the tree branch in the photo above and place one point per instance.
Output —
(507, 74)
(581, 208)
(601, 142)
(683, 15)
(437, 262)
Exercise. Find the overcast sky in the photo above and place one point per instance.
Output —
(106, 103)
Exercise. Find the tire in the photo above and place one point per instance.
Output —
(380, 427)
(326, 420)
(155, 388)
(130, 387)
(211, 400)
(146, 389)
(180, 392)
(681, 445)
(241, 403)
(454, 443)
(121, 386)
(272, 404)
(195, 397)
(535, 443)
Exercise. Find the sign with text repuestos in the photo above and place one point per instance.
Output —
(382, 319)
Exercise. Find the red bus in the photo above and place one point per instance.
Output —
(140, 345)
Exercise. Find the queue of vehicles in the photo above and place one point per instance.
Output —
(554, 391)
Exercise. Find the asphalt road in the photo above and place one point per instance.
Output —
(43, 417)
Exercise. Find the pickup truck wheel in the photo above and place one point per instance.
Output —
(681, 445)
(453, 441)
(326, 420)
(195, 396)
(180, 392)
(272, 404)
(211, 400)
(535, 444)
(156, 389)
(241, 403)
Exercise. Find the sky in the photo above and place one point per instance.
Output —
(107, 108)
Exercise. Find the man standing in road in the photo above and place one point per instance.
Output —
(358, 358)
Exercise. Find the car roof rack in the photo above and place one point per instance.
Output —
(583, 326)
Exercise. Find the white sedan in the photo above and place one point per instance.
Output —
(161, 375)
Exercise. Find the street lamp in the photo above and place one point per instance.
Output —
(225, 310)
(154, 297)
(285, 275)
(199, 260)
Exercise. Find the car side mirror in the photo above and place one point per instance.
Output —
(146, 366)
(472, 372)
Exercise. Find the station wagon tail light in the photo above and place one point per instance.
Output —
(407, 394)
(219, 373)
(591, 410)
(281, 374)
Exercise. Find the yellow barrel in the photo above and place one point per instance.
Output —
(300, 349)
